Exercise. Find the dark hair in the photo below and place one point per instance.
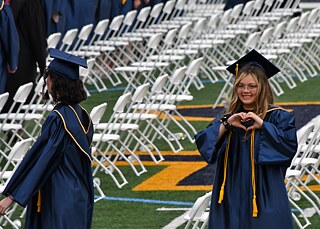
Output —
(65, 90)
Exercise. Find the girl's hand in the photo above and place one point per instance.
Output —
(235, 120)
(5, 204)
(257, 121)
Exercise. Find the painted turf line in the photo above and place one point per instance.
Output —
(146, 201)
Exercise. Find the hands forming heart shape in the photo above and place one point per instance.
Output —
(246, 121)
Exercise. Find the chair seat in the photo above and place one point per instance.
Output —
(208, 41)
(178, 98)
(8, 126)
(112, 43)
(133, 69)
(38, 107)
(293, 173)
(21, 116)
(117, 126)
(98, 48)
(196, 46)
(150, 64)
(167, 57)
(136, 116)
(105, 137)
(161, 107)
(181, 51)
(305, 161)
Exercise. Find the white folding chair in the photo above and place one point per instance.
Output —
(68, 39)
(199, 214)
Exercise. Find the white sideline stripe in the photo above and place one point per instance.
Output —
(177, 222)
(172, 209)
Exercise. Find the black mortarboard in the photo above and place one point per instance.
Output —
(256, 59)
(65, 64)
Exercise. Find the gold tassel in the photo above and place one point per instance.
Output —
(221, 195)
(255, 208)
(39, 202)
(124, 2)
(2, 5)
(254, 201)
(237, 69)
(225, 169)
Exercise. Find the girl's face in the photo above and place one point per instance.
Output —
(247, 92)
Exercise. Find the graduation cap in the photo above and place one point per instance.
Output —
(65, 64)
(254, 58)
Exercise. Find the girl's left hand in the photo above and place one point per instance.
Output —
(257, 121)
(5, 204)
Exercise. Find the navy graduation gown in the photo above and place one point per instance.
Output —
(55, 177)
(9, 45)
(275, 145)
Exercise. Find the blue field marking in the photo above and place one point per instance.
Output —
(170, 202)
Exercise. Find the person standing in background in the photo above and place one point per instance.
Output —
(9, 44)
(29, 19)
(55, 16)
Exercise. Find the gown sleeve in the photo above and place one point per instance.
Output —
(206, 141)
(39, 163)
(278, 139)
(9, 37)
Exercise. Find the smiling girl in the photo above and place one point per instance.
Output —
(251, 147)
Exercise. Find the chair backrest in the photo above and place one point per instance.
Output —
(53, 40)
(266, 35)
(248, 7)
(279, 29)
(258, 4)
(154, 40)
(184, 31)
(314, 15)
(129, 18)
(85, 31)
(159, 84)
(198, 208)
(101, 27)
(22, 93)
(169, 38)
(116, 22)
(303, 19)
(97, 113)
(236, 10)
(39, 86)
(156, 10)
(177, 75)
(3, 99)
(140, 92)
(168, 7)
(20, 149)
(69, 37)
(122, 102)
(143, 14)
(252, 40)
(194, 66)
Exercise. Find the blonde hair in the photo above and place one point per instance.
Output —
(264, 92)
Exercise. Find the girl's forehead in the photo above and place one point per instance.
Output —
(247, 77)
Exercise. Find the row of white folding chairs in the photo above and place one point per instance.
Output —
(11, 161)
(155, 111)
(304, 173)
(21, 120)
